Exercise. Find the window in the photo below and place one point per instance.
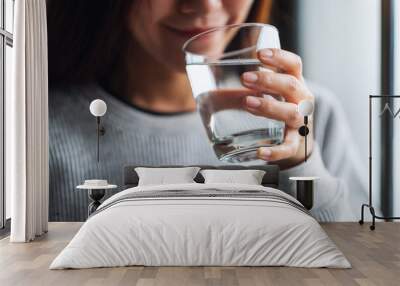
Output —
(6, 60)
(396, 77)
(346, 61)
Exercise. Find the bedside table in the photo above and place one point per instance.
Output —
(305, 190)
(96, 193)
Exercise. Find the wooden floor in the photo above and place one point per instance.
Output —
(375, 257)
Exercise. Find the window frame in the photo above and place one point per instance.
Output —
(6, 39)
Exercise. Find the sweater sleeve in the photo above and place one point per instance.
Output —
(341, 188)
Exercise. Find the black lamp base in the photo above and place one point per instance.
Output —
(95, 195)
(305, 190)
(374, 216)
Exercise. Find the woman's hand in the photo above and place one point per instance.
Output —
(287, 82)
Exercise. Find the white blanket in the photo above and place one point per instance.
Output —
(205, 230)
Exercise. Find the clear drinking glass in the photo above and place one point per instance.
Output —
(215, 60)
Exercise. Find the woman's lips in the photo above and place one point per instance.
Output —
(189, 32)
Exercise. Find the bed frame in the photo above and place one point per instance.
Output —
(270, 179)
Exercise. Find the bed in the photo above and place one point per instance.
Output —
(201, 224)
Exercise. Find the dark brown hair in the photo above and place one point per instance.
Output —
(84, 36)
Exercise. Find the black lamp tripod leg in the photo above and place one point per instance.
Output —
(372, 210)
(361, 221)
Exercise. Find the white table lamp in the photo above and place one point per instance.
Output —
(98, 108)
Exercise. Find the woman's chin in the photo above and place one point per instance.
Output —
(177, 65)
(178, 69)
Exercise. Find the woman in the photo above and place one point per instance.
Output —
(129, 54)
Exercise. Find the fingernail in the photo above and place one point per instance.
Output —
(264, 152)
(253, 102)
(250, 77)
(267, 53)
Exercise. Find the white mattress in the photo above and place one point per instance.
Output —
(190, 231)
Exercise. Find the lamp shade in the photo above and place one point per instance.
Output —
(305, 107)
(98, 107)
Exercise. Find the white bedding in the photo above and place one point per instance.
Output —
(183, 231)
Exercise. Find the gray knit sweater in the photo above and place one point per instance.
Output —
(136, 137)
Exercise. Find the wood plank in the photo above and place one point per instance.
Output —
(375, 257)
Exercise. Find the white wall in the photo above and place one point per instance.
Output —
(340, 47)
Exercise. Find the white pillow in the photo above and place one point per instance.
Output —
(248, 177)
(162, 176)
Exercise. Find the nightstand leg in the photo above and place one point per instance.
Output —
(95, 196)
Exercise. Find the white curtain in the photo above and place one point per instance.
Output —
(27, 124)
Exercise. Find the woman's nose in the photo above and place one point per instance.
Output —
(199, 6)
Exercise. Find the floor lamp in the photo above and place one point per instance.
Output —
(370, 205)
